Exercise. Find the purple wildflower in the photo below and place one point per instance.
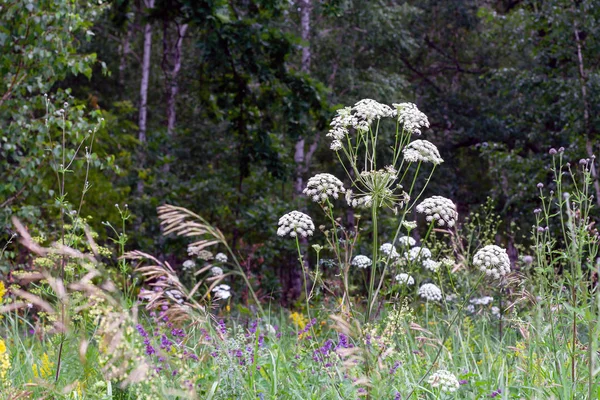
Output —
(395, 367)
(222, 327)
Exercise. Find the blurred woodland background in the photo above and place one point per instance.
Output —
(222, 107)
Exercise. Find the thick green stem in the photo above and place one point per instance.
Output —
(375, 259)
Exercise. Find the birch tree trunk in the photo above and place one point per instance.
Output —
(171, 68)
(143, 116)
(125, 50)
(300, 155)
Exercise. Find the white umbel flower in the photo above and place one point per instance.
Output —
(445, 380)
(406, 241)
(422, 150)
(430, 292)
(482, 301)
(389, 250)
(322, 186)
(431, 265)
(409, 225)
(440, 209)
(367, 110)
(410, 116)
(295, 224)
(222, 292)
(340, 124)
(361, 261)
(220, 257)
(358, 201)
(493, 260)
(216, 271)
(188, 265)
(418, 254)
(405, 279)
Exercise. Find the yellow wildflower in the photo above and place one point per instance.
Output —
(4, 363)
(45, 369)
(299, 320)
(2, 290)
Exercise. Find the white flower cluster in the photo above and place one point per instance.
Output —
(367, 110)
(389, 250)
(295, 223)
(222, 292)
(405, 279)
(483, 301)
(188, 265)
(431, 265)
(422, 150)
(409, 225)
(361, 261)
(406, 241)
(220, 257)
(341, 122)
(418, 254)
(198, 252)
(216, 271)
(430, 292)
(359, 201)
(440, 209)
(445, 380)
(321, 186)
(493, 260)
(410, 116)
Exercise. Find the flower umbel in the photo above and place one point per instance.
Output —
(409, 115)
(405, 279)
(422, 150)
(389, 250)
(430, 292)
(493, 260)
(295, 224)
(321, 186)
(445, 380)
(361, 261)
(222, 292)
(440, 209)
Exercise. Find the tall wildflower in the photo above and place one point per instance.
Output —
(412, 119)
(493, 260)
(445, 380)
(439, 209)
(322, 186)
(4, 363)
(295, 224)
(44, 369)
(422, 151)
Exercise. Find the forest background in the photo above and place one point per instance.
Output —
(222, 107)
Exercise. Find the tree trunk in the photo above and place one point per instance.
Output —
(144, 93)
(125, 49)
(300, 154)
(172, 66)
